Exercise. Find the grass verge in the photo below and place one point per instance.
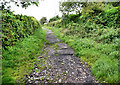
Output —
(102, 58)
(19, 59)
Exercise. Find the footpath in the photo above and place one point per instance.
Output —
(59, 65)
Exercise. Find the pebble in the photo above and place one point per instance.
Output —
(36, 68)
(84, 73)
(51, 78)
(56, 82)
(36, 81)
(60, 80)
(65, 74)
(66, 71)
(59, 70)
(72, 72)
(36, 78)
(36, 74)
(81, 69)
(104, 81)
(28, 76)
(29, 80)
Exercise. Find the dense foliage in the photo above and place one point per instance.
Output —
(19, 60)
(22, 40)
(16, 27)
(5, 4)
(43, 20)
(54, 18)
(95, 37)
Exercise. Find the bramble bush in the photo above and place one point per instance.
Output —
(16, 27)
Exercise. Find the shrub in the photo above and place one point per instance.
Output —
(17, 27)
(110, 17)
(74, 17)
(54, 18)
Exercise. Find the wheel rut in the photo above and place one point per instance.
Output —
(59, 65)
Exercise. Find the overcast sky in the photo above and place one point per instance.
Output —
(47, 8)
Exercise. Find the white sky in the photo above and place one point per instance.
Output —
(47, 8)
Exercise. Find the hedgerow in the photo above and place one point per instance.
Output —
(16, 27)
(22, 41)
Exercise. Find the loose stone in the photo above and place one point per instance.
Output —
(60, 81)
(72, 72)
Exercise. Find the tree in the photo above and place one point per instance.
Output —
(54, 18)
(43, 20)
(115, 3)
(93, 8)
(68, 7)
(22, 3)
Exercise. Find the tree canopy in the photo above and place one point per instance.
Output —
(22, 3)
(68, 7)
(43, 20)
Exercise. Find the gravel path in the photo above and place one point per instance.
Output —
(59, 65)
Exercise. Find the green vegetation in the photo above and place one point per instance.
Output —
(54, 18)
(19, 59)
(22, 42)
(43, 20)
(16, 27)
(94, 34)
(6, 3)
(95, 37)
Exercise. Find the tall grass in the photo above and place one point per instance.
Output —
(101, 57)
(19, 59)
